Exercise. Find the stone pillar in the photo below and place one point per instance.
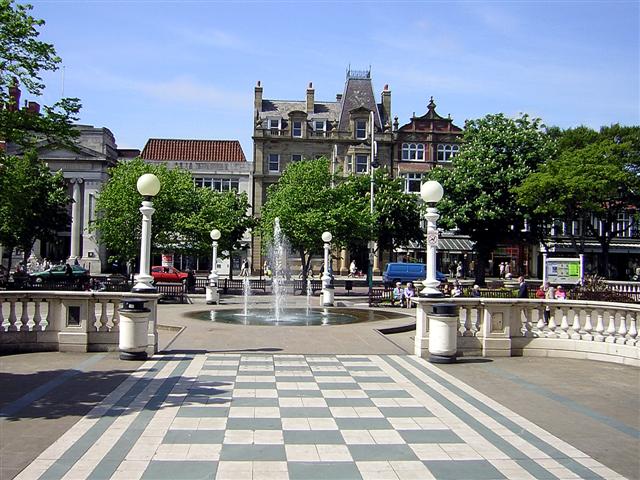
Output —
(376, 261)
(76, 220)
(344, 262)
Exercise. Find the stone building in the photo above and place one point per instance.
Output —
(217, 164)
(291, 130)
(85, 169)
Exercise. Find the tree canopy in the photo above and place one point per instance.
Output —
(596, 176)
(307, 206)
(184, 217)
(497, 155)
(33, 202)
(23, 58)
(309, 203)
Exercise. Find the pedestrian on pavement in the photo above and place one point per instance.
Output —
(353, 269)
(244, 270)
(523, 289)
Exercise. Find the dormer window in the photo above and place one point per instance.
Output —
(320, 127)
(361, 129)
(274, 124)
(296, 129)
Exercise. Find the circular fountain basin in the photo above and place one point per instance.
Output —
(294, 316)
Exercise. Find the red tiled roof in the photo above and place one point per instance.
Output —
(193, 150)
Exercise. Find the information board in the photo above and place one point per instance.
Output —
(563, 270)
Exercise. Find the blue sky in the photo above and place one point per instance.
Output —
(187, 69)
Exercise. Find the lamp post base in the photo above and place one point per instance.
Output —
(133, 355)
(212, 295)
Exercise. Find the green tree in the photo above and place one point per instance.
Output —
(184, 217)
(23, 58)
(33, 203)
(307, 205)
(595, 176)
(497, 155)
(396, 219)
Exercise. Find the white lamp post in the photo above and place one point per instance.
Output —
(148, 185)
(327, 289)
(431, 192)
(212, 295)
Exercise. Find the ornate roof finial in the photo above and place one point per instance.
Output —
(432, 105)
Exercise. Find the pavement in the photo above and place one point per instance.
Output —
(229, 401)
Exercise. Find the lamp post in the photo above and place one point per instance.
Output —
(431, 193)
(148, 185)
(373, 165)
(327, 288)
(212, 295)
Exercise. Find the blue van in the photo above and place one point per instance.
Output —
(407, 272)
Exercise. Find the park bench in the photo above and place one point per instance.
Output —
(378, 296)
(172, 292)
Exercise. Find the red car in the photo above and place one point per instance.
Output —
(168, 274)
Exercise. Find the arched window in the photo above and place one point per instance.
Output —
(446, 152)
(412, 151)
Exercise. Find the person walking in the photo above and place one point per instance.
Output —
(523, 289)
(550, 294)
(353, 269)
(244, 270)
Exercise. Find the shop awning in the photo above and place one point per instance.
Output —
(455, 245)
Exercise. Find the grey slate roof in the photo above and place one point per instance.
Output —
(358, 92)
(282, 108)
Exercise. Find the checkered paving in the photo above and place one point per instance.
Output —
(248, 416)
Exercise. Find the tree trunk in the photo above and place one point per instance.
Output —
(10, 249)
(482, 252)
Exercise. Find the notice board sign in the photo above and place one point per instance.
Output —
(564, 270)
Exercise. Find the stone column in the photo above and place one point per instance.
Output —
(76, 220)
(344, 262)
(376, 260)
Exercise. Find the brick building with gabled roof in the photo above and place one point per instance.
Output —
(216, 164)
(193, 150)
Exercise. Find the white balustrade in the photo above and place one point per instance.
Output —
(517, 327)
(65, 321)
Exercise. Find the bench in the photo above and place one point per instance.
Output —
(380, 295)
(237, 286)
(172, 292)
(301, 286)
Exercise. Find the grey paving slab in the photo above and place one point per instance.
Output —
(449, 434)
(323, 471)
(183, 469)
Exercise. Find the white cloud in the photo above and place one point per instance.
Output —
(179, 89)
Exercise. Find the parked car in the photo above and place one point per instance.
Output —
(407, 272)
(58, 272)
(168, 274)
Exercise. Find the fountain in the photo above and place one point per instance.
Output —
(278, 260)
(280, 314)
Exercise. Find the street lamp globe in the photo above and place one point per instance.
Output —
(326, 237)
(148, 185)
(431, 191)
(215, 234)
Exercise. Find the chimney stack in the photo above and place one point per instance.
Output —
(33, 107)
(14, 97)
(386, 105)
(310, 98)
(257, 104)
(338, 97)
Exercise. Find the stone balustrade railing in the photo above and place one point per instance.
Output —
(494, 327)
(67, 321)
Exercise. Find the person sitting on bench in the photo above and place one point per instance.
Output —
(397, 294)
